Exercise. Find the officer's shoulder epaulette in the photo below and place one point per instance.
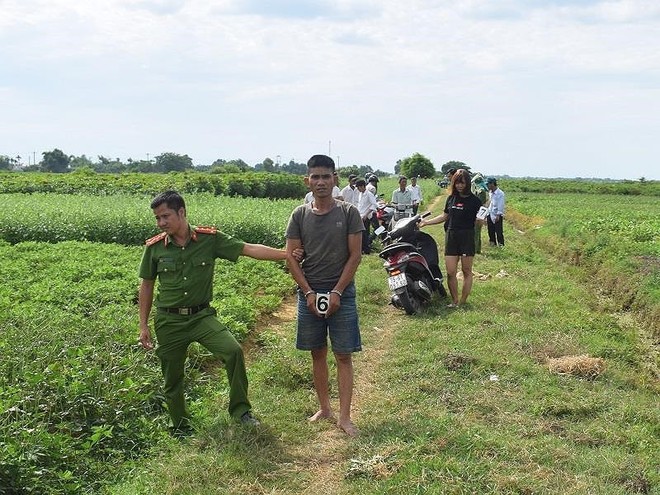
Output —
(206, 230)
(153, 240)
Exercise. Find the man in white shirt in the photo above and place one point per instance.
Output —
(495, 213)
(350, 193)
(372, 184)
(336, 192)
(415, 193)
(367, 206)
(402, 199)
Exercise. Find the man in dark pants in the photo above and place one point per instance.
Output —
(182, 258)
(495, 213)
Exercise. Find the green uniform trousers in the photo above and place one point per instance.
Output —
(175, 333)
(477, 238)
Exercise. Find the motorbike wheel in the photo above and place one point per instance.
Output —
(409, 302)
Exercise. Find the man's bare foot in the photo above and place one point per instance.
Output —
(321, 414)
(348, 427)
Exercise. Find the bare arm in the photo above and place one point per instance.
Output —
(439, 219)
(146, 297)
(261, 252)
(293, 245)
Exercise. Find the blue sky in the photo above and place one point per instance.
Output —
(510, 87)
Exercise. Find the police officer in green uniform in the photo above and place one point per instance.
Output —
(182, 258)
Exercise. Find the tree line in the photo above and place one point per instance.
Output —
(56, 161)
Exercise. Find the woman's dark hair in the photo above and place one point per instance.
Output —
(172, 199)
(461, 175)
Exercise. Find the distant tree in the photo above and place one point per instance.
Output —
(109, 166)
(417, 165)
(381, 173)
(364, 170)
(269, 165)
(346, 171)
(244, 167)
(173, 162)
(6, 163)
(229, 168)
(80, 162)
(294, 168)
(453, 164)
(144, 166)
(55, 161)
(397, 168)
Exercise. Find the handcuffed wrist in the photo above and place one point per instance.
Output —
(309, 292)
(338, 292)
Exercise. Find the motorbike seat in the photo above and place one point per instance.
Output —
(397, 246)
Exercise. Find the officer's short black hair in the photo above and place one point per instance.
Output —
(323, 161)
(360, 182)
(171, 198)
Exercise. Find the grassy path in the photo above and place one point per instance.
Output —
(448, 401)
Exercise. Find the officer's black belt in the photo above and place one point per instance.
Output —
(185, 311)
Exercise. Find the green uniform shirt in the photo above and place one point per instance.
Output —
(185, 273)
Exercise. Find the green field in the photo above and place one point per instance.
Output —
(80, 404)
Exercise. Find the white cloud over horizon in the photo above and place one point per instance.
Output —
(515, 87)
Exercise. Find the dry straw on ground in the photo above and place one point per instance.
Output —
(583, 366)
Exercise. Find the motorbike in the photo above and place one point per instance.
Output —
(412, 265)
(389, 213)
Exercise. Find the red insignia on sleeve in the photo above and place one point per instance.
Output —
(157, 238)
(206, 230)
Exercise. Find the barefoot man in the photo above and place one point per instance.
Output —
(330, 232)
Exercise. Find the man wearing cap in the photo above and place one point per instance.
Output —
(495, 213)
(182, 258)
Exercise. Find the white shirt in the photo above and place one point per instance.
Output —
(350, 195)
(367, 203)
(496, 205)
(309, 197)
(416, 194)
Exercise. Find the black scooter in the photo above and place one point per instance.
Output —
(412, 264)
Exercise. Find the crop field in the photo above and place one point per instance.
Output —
(616, 239)
(81, 410)
(126, 219)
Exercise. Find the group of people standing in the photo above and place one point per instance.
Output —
(325, 239)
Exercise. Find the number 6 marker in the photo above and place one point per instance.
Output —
(322, 302)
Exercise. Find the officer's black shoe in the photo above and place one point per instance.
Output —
(248, 419)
